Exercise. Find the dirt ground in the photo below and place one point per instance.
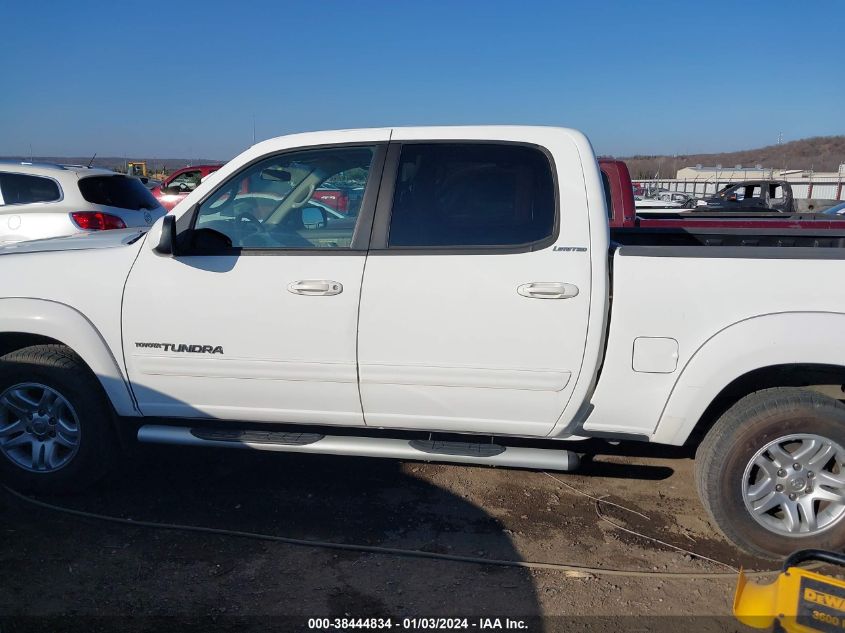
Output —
(61, 572)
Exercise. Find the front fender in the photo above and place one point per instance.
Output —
(783, 338)
(70, 327)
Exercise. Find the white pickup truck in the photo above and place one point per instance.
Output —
(470, 300)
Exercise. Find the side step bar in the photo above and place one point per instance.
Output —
(421, 450)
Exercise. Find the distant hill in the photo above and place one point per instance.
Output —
(821, 153)
(118, 162)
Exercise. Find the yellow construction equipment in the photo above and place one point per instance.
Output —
(799, 600)
(138, 168)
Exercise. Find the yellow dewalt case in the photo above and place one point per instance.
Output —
(799, 600)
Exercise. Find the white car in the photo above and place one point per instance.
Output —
(653, 204)
(41, 200)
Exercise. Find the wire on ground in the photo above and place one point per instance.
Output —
(599, 500)
(567, 568)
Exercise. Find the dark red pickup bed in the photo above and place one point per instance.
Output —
(725, 228)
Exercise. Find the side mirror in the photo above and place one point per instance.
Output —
(314, 218)
(167, 241)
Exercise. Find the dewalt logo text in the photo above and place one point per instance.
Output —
(824, 599)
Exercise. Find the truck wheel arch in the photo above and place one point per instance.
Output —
(755, 353)
(26, 321)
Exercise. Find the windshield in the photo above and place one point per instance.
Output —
(117, 191)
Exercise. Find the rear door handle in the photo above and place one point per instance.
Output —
(316, 287)
(548, 290)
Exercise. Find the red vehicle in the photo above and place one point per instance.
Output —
(345, 200)
(709, 228)
(180, 183)
(337, 199)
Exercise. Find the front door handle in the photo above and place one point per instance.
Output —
(316, 287)
(548, 290)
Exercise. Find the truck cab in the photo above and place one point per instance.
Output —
(450, 226)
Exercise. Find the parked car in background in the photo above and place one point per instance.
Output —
(180, 183)
(837, 209)
(753, 194)
(686, 200)
(41, 200)
(655, 204)
(341, 198)
(657, 197)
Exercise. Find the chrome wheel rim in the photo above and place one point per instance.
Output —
(795, 485)
(39, 429)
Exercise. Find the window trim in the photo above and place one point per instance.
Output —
(21, 204)
(363, 227)
(379, 244)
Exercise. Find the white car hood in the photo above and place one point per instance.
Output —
(79, 242)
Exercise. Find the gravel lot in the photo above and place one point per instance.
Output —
(72, 573)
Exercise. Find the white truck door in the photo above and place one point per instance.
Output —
(255, 317)
(476, 296)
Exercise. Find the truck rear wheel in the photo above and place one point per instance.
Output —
(771, 472)
(56, 431)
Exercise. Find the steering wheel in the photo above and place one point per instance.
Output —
(250, 220)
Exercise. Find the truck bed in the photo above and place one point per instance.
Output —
(689, 295)
(808, 237)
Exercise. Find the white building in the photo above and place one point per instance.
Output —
(758, 172)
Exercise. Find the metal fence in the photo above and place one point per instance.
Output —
(827, 188)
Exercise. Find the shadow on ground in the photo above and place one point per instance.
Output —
(66, 573)
(59, 565)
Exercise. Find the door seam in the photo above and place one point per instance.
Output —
(361, 286)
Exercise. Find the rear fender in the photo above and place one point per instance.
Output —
(785, 338)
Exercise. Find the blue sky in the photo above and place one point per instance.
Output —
(185, 79)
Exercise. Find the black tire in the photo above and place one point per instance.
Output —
(746, 428)
(60, 369)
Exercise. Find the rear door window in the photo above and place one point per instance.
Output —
(472, 194)
(26, 189)
(118, 191)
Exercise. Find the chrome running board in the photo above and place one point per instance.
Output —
(419, 450)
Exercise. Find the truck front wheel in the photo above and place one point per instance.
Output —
(771, 472)
(56, 429)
